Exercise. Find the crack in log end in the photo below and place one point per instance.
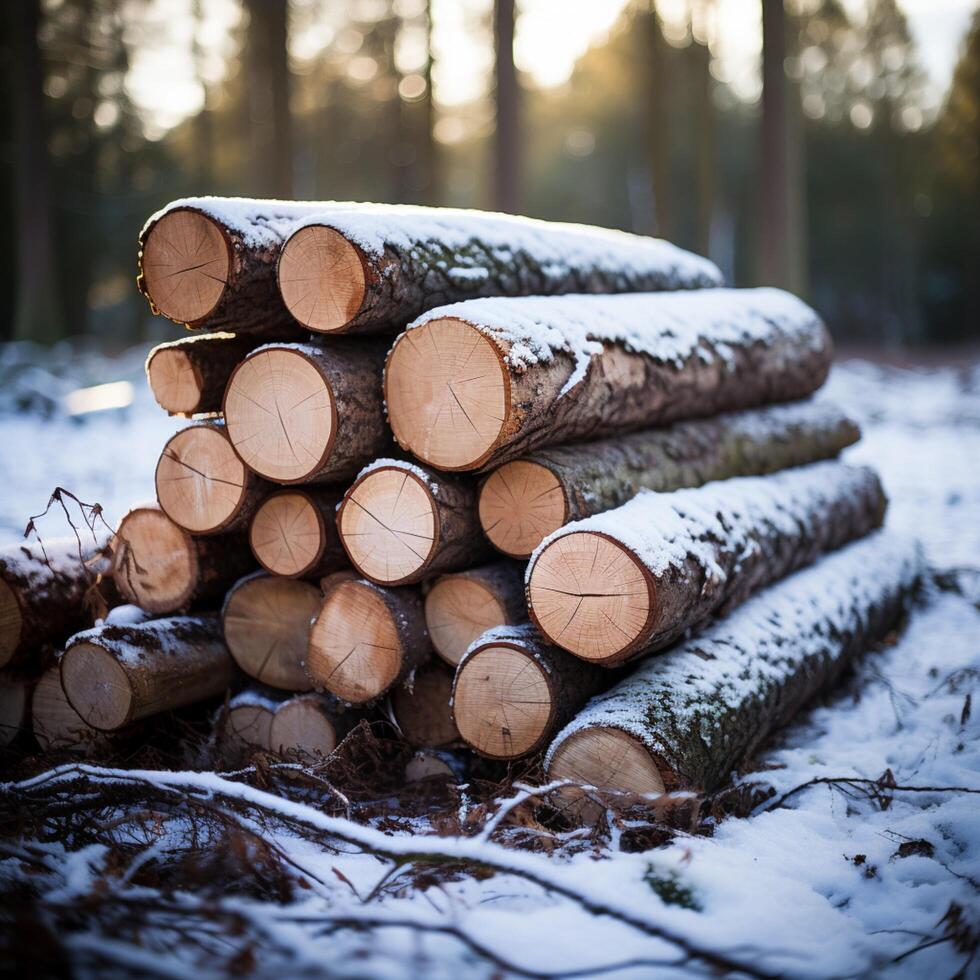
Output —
(185, 265)
(521, 503)
(448, 393)
(458, 610)
(287, 534)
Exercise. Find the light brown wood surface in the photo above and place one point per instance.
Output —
(175, 381)
(56, 724)
(246, 726)
(520, 504)
(307, 725)
(294, 533)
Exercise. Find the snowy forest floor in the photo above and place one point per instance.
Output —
(851, 848)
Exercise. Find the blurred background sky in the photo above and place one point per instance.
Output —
(829, 146)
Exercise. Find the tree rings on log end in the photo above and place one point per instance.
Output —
(304, 726)
(355, 650)
(154, 562)
(247, 726)
(11, 622)
(200, 482)
(287, 535)
(387, 524)
(321, 278)
(457, 611)
(56, 724)
(590, 595)
(521, 503)
(267, 624)
(607, 758)
(99, 688)
(185, 264)
(448, 393)
(175, 381)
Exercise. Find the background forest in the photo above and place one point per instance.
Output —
(827, 166)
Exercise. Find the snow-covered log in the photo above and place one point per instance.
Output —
(527, 499)
(420, 707)
(686, 719)
(373, 267)
(56, 724)
(476, 384)
(159, 567)
(512, 692)
(202, 485)
(462, 606)
(308, 413)
(401, 523)
(266, 620)
(294, 533)
(365, 639)
(114, 675)
(630, 581)
(309, 725)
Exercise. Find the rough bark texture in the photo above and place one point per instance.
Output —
(420, 707)
(165, 663)
(15, 703)
(817, 510)
(707, 706)
(43, 596)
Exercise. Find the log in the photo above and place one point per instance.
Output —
(267, 625)
(524, 501)
(684, 720)
(56, 724)
(43, 595)
(115, 675)
(210, 262)
(368, 269)
(202, 485)
(294, 533)
(245, 722)
(420, 707)
(630, 581)
(400, 523)
(15, 703)
(461, 607)
(159, 567)
(189, 376)
(306, 413)
(512, 692)
(478, 384)
(365, 639)
(309, 725)
(434, 764)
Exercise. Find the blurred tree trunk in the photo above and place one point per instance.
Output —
(658, 121)
(203, 121)
(270, 124)
(430, 161)
(38, 314)
(706, 177)
(507, 140)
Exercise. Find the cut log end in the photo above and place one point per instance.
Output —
(101, 691)
(521, 503)
(607, 758)
(200, 482)
(280, 414)
(303, 725)
(355, 651)
(185, 265)
(11, 622)
(248, 726)
(155, 563)
(266, 623)
(55, 722)
(387, 524)
(175, 381)
(502, 702)
(321, 279)
(448, 394)
(590, 595)
(457, 611)
(287, 535)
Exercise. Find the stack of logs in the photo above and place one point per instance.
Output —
(579, 451)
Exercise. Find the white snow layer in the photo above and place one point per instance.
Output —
(133, 643)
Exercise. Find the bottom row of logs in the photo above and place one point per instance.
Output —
(681, 720)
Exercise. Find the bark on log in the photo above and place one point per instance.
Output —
(267, 626)
(210, 263)
(400, 523)
(161, 568)
(114, 675)
(378, 266)
(683, 721)
(202, 485)
(474, 385)
(56, 724)
(43, 595)
(524, 501)
(630, 581)
(512, 692)
(461, 607)
(189, 376)
(365, 639)
(310, 725)
(420, 707)
(15, 703)
(294, 533)
(308, 413)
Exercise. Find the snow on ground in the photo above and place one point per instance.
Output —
(843, 879)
